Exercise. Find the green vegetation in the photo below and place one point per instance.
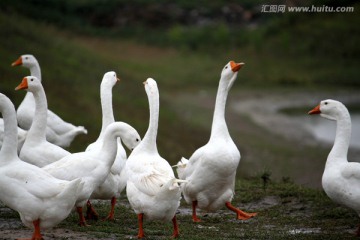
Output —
(289, 52)
(285, 211)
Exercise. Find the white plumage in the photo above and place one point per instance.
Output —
(36, 149)
(210, 171)
(41, 200)
(58, 131)
(115, 182)
(341, 179)
(152, 190)
(93, 166)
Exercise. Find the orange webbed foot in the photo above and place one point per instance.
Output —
(241, 215)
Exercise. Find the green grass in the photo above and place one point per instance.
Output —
(296, 213)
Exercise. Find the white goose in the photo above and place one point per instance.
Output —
(93, 166)
(36, 149)
(115, 183)
(152, 190)
(58, 131)
(211, 169)
(41, 200)
(341, 179)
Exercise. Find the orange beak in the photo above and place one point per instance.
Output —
(236, 66)
(23, 84)
(117, 79)
(316, 110)
(18, 62)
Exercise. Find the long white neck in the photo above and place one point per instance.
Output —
(106, 107)
(9, 146)
(339, 151)
(35, 71)
(112, 133)
(149, 140)
(219, 126)
(38, 126)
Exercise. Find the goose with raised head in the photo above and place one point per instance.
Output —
(152, 189)
(58, 131)
(210, 171)
(115, 182)
(41, 200)
(341, 179)
(36, 149)
(93, 166)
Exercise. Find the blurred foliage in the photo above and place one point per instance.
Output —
(76, 42)
(203, 25)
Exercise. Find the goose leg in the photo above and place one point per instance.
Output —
(82, 221)
(37, 234)
(91, 212)
(140, 220)
(194, 216)
(240, 214)
(176, 228)
(111, 216)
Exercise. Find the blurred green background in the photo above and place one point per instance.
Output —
(183, 45)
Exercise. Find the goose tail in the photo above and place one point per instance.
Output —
(180, 167)
(71, 192)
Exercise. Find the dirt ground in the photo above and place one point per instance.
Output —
(14, 229)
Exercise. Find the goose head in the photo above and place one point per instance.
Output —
(109, 79)
(131, 137)
(150, 86)
(29, 83)
(26, 60)
(330, 109)
(229, 72)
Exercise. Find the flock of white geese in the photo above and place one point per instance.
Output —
(44, 182)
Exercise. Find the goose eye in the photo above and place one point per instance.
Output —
(31, 79)
(326, 103)
(26, 58)
(226, 67)
(137, 139)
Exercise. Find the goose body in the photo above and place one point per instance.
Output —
(58, 131)
(115, 182)
(93, 166)
(341, 179)
(152, 190)
(36, 149)
(210, 172)
(41, 200)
